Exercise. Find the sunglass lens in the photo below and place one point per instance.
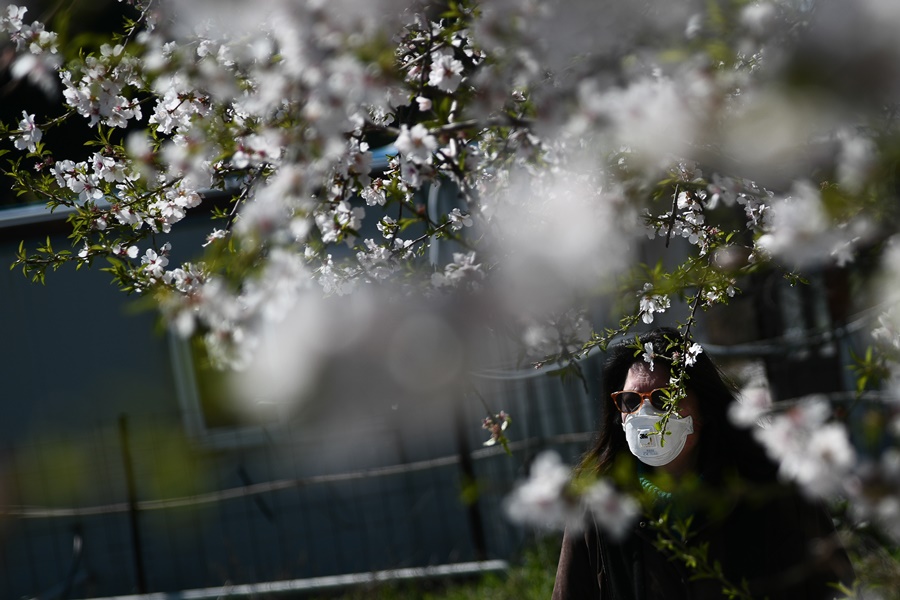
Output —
(629, 402)
(658, 399)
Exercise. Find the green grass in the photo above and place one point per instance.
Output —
(530, 577)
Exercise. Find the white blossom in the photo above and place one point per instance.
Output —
(416, 144)
(29, 134)
(693, 351)
(458, 219)
(649, 354)
(652, 303)
(462, 271)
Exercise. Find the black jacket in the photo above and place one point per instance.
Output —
(784, 548)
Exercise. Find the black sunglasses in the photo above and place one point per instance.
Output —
(630, 402)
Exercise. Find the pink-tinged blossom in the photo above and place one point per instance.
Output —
(130, 251)
(723, 189)
(98, 93)
(496, 425)
(126, 215)
(186, 279)
(342, 219)
(29, 134)
(414, 174)
(172, 207)
(155, 262)
(446, 72)
(77, 178)
(108, 168)
(256, 149)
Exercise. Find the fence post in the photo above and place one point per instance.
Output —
(137, 553)
(476, 524)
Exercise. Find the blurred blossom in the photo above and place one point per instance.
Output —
(458, 219)
(292, 350)
(753, 404)
(545, 499)
(887, 334)
(38, 69)
(337, 361)
(232, 17)
(654, 116)
(814, 453)
(758, 17)
(857, 160)
(416, 144)
(800, 233)
(777, 136)
(614, 511)
(544, 335)
(424, 353)
(558, 31)
(560, 233)
(463, 272)
(861, 37)
(423, 103)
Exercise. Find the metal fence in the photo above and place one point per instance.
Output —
(135, 506)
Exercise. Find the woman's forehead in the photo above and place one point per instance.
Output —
(641, 379)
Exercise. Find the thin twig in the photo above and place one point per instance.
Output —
(672, 219)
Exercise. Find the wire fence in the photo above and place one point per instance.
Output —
(136, 506)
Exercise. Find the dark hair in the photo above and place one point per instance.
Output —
(723, 447)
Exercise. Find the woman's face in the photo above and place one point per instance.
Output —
(641, 379)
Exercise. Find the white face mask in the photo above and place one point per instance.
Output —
(644, 440)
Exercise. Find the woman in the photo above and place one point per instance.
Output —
(759, 532)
